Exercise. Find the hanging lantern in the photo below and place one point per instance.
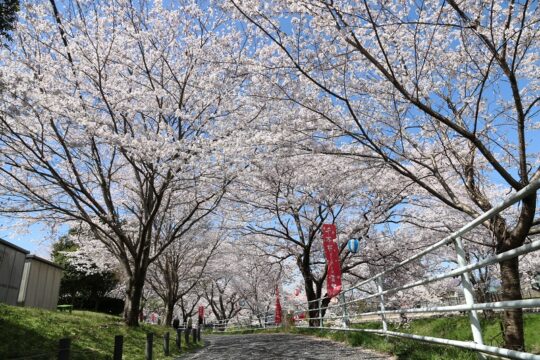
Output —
(353, 245)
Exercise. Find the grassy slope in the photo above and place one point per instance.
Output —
(28, 331)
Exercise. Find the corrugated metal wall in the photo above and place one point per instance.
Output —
(40, 285)
(11, 270)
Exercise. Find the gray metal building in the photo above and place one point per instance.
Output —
(40, 283)
(12, 259)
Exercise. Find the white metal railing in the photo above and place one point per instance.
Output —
(341, 309)
(264, 320)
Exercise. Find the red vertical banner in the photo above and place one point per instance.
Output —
(201, 315)
(277, 315)
(201, 312)
(331, 252)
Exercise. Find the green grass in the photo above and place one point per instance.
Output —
(456, 328)
(28, 331)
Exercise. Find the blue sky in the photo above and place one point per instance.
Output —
(37, 239)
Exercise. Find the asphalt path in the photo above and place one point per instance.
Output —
(278, 346)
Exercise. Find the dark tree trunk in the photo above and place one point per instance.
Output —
(312, 305)
(169, 313)
(513, 318)
(325, 302)
(510, 281)
(314, 314)
(134, 292)
(311, 296)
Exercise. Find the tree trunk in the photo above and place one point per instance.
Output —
(513, 318)
(510, 281)
(314, 314)
(170, 312)
(133, 298)
(325, 302)
(313, 306)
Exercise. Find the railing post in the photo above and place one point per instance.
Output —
(186, 336)
(194, 334)
(321, 324)
(468, 294)
(149, 345)
(179, 338)
(166, 344)
(381, 296)
(118, 347)
(345, 312)
(64, 349)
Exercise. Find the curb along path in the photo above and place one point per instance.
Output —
(279, 346)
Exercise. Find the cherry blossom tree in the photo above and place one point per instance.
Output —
(287, 197)
(240, 281)
(113, 118)
(188, 304)
(179, 270)
(257, 276)
(222, 297)
(444, 93)
(130, 121)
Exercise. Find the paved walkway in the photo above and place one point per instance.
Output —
(278, 346)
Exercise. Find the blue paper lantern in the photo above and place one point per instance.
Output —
(353, 245)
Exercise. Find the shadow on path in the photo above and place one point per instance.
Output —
(279, 346)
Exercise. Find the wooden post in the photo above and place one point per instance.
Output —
(118, 347)
(186, 336)
(194, 334)
(64, 349)
(166, 343)
(149, 345)
(199, 334)
(179, 338)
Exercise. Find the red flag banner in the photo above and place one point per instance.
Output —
(277, 315)
(331, 252)
(201, 312)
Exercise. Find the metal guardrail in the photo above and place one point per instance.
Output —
(463, 271)
(241, 322)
